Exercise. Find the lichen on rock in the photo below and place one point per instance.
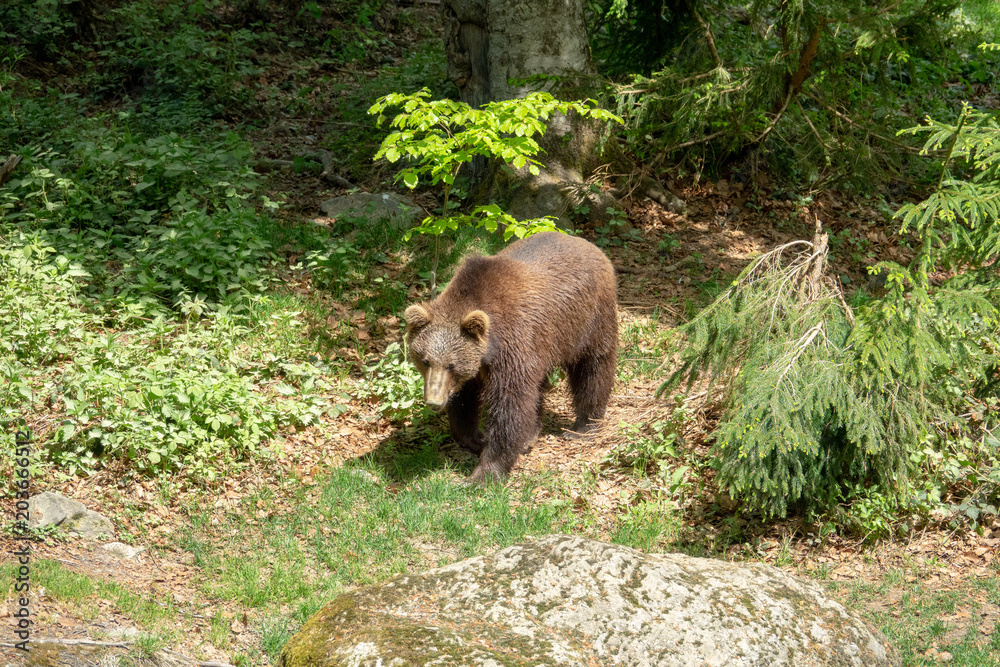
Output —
(565, 600)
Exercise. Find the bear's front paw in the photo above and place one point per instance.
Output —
(484, 476)
(474, 443)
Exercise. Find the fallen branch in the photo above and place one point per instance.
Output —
(648, 186)
(328, 174)
(814, 283)
(708, 34)
(694, 142)
(690, 259)
(319, 155)
(850, 122)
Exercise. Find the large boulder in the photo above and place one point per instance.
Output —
(570, 601)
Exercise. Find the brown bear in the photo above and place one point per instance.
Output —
(497, 330)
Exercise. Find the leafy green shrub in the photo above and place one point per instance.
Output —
(38, 298)
(648, 447)
(121, 180)
(871, 513)
(393, 383)
(40, 27)
(437, 137)
(329, 267)
(151, 396)
(168, 60)
(958, 477)
(440, 136)
(199, 255)
(39, 121)
(176, 412)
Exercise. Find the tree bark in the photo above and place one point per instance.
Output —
(8, 167)
(491, 42)
(493, 46)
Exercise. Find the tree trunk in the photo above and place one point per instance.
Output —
(492, 47)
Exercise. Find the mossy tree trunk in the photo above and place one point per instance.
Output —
(493, 46)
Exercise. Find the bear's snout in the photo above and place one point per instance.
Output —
(437, 388)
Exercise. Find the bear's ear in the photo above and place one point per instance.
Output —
(476, 323)
(417, 317)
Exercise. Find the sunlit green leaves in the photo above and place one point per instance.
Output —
(439, 136)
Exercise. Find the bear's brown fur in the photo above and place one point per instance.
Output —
(498, 329)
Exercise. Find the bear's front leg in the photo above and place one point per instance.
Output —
(513, 426)
(464, 410)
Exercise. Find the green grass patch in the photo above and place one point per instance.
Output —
(928, 624)
(363, 523)
(84, 592)
(356, 527)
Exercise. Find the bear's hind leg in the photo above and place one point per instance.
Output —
(464, 410)
(590, 382)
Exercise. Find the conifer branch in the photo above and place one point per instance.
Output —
(799, 348)
(814, 394)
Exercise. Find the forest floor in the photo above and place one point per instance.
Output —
(935, 589)
(947, 575)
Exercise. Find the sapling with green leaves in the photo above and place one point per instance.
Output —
(437, 137)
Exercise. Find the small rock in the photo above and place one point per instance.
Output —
(123, 550)
(124, 634)
(398, 211)
(51, 509)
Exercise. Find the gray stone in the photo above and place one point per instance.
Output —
(571, 601)
(92, 525)
(374, 207)
(48, 508)
(123, 550)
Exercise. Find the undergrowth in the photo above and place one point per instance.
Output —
(824, 404)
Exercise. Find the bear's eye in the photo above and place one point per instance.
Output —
(425, 362)
(451, 368)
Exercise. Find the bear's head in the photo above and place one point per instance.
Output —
(448, 352)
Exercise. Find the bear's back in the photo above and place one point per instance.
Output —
(550, 292)
(553, 249)
(545, 267)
